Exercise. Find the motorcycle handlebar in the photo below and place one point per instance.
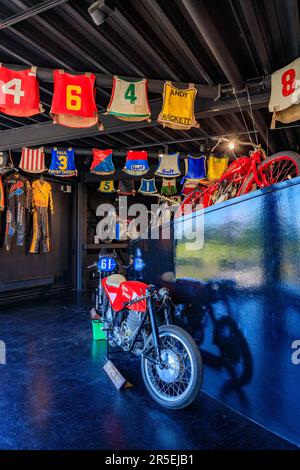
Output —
(94, 265)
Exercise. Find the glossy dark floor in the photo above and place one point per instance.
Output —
(54, 395)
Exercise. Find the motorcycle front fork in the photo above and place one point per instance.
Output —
(155, 334)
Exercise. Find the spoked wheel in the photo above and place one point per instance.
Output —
(177, 384)
(236, 355)
(279, 167)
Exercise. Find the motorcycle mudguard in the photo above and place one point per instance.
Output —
(125, 292)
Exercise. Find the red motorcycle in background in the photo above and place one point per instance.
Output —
(242, 176)
(170, 359)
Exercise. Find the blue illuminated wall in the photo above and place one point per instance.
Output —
(251, 252)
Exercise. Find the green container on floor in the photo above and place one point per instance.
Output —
(97, 330)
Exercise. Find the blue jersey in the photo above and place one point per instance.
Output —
(62, 162)
(147, 186)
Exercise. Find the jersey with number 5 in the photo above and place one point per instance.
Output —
(73, 103)
(129, 100)
(19, 92)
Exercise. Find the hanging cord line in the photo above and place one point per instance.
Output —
(251, 113)
(240, 109)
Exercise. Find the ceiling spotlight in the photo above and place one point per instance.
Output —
(101, 10)
(231, 145)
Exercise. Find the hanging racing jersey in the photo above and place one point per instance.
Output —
(42, 201)
(62, 162)
(147, 186)
(33, 160)
(194, 168)
(126, 187)
(178, 107)
(189, 185)
(168, 165)
(168, 186)
(129, 100)
(73, 103)
(102, 163)
(19, 92)
(106, 186)
(136, 162)
(216, 167)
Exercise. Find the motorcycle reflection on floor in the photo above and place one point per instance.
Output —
(171, 362)
(234, 352)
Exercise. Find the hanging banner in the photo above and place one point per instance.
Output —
(19, 92)
(168, 165)
(63, 163)
(33, 160)
(285, 94)
(178, 107)
(147, 186)
(73, 103)
(106, 186)
(216, 166)
(129, 100)
(136, 162)
(102, 163)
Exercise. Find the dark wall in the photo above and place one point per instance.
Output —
(247, 274)
(32, 270)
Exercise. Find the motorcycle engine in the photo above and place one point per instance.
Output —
(124, 333)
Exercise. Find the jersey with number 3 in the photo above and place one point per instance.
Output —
(129, 100)
(62, 162)
(19, 92)
(73, 103)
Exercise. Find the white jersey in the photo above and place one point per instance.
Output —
(168, 166)
(129, 100)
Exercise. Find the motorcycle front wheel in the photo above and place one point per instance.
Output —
(177, 385)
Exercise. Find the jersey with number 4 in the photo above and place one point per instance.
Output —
(73, 103)
(62, 162)
(19, 92)
(129, 100)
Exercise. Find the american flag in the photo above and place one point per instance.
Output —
(33, 160)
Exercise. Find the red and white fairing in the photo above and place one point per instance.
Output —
(125, 292)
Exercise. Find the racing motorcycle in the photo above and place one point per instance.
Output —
(171, 362)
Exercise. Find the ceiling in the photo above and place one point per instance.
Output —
(234, 42)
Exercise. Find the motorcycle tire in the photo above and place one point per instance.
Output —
(195, 359)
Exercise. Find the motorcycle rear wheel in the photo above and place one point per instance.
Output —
(178, 386)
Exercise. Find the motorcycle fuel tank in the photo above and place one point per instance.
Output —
(120, 291)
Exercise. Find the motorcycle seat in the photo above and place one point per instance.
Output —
(115, 280)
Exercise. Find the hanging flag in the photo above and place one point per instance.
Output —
(178, 107)
(129, 100)
(63, 162)
(285, 94)
(33, 160)
(216, 166)
(106, 186)
(147, 186)
(19, 92)
(126, 187)
(102, 163)
(136, 162)
(168, 186)
(168, 165)
(73, 103)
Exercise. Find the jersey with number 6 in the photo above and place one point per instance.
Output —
(129, 100)
(19, 92)
(73, 103)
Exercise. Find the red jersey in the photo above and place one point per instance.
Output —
(73, 103)
(19, 92)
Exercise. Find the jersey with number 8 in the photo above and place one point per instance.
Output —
(129, 100)
(19, 92)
